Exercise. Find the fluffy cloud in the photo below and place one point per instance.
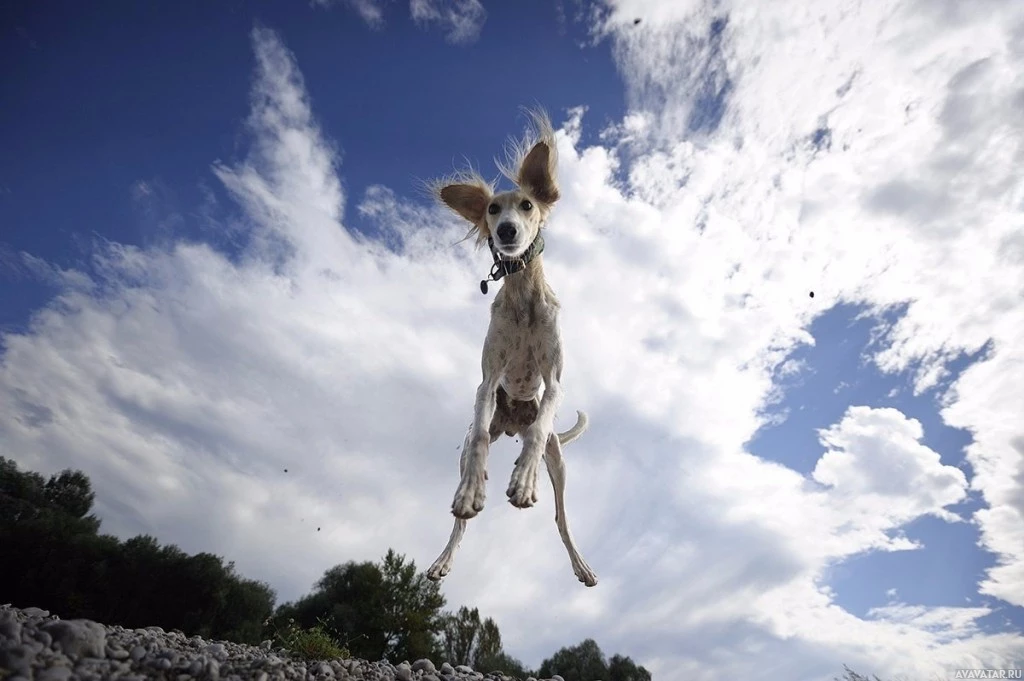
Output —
(876, 149)
(875, 458)
(185, 380)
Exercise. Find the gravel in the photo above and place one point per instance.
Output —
(35, 645)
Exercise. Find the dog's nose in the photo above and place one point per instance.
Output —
(507, 232)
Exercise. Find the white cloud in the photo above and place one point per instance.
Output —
(184, 381)
(371, 11)
(917, 202)
(875, 458)
(461, 20)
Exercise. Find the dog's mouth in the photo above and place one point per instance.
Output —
(511, 251)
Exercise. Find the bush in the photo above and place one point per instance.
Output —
(314, 643)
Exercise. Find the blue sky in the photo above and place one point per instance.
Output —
(217, 263)
(835, 373)
(154, 92)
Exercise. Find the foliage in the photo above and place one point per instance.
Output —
(582, 662)
(385, 611)
(315, 643)
(624, 669)
(53, 556)
(850, 675)
(504, 663)
(586, 662)
(81, 573)
(466, 640)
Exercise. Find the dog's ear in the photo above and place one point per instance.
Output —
(537, 173)
(468, 200)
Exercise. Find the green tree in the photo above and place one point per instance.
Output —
(412, 609)
(21, 493)
(385, 610)
(468, 640)
(52, 556)
(582, 662)
(246, 604)
(504, 663)
(64, 498)
(624, 669)
(71, 492)
(458, 633)
(850, 675)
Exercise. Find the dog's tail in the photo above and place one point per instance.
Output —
(574, 432)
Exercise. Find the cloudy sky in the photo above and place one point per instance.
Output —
(216, 264)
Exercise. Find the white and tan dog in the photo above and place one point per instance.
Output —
(522, 355)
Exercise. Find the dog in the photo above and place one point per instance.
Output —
(522, 359)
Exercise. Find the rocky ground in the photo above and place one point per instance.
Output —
(38, 646)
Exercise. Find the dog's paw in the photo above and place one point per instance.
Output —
(584, 573)
(469, 497)
(522, 488)
(440, 569)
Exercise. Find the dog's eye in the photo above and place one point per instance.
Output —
(526, 205)
(494, 209)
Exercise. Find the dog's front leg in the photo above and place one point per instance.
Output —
(522, 488)
(469, 497)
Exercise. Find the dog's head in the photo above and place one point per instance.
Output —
(513, 218)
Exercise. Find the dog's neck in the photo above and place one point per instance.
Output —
(525, 292)
(504, 267)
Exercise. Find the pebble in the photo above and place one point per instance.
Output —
(37, 645)
(424, 665)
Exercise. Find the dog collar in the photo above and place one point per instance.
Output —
(503, 267)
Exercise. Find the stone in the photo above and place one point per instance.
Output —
(60, 673)
(18, 658)
(10, 627)
(424, 665)
(78, 638)
(35, 613)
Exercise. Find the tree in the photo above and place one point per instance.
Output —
(624, 669)
(506, 664)
(850, 675)
(488, 645)
(458, 634)
(54, 557)
(412, 609)
(247, 604)
(467, 640)
(379, 611)
(64, 499)
(21, 494)
(582, 662)
(70, 492)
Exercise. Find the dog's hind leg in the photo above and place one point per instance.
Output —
(556, 470)
(443, 565)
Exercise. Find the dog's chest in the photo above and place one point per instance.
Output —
(526, 360)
